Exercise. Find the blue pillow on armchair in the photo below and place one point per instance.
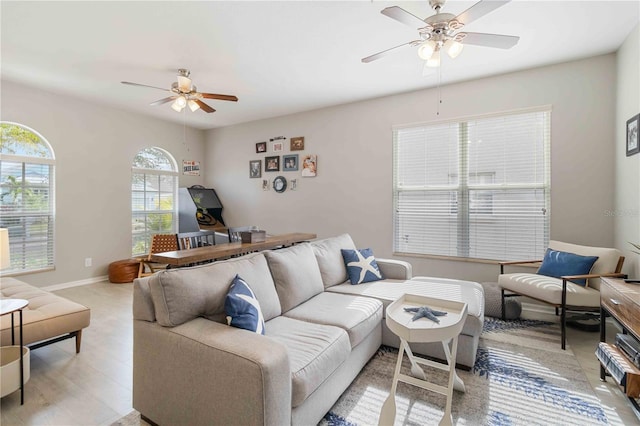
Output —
(242, 307)
(559, 263)
(361, 266)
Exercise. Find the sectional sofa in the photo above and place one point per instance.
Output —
(189, 367)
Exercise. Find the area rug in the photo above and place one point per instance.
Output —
(521, 377)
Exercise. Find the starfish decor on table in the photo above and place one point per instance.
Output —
(426, 312)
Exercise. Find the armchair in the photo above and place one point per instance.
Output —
(562, 292)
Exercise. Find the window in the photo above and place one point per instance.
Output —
(154, 187)
(478, 188)
(27, 197)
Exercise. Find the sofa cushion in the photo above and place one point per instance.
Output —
(358, 316)
(315, 352)
(560, 263)
(361, 266)
(387, 291)
(180, 295)
(296, 274)
(242, 307)
(549, 289)
(329, 257)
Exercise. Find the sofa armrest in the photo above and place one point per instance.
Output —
(203, 372)
(395, 269)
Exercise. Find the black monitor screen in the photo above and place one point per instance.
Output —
(205, 198)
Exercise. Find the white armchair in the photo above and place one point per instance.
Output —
(561, 292)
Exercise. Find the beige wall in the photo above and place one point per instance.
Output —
(94, 147)
(353, 190)
(626, 213)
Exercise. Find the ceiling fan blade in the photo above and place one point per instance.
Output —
(143, 85)
(204, 107)
(219, 97)
(384, 52)
(401, 15)
(163, 101)
(479, 9)
(490, 40)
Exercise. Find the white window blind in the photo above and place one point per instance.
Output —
(154, 186)
(27, 198)
(478, 188)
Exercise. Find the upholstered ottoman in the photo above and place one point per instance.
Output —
(468, 292)
(493, 303)
(47, 319)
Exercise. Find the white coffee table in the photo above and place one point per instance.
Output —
(424, 330)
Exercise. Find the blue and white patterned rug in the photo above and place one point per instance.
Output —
(521, 377)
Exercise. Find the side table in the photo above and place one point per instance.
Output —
(10, 307)
(424, 330)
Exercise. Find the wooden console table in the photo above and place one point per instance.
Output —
(621, 301)
(221, 251)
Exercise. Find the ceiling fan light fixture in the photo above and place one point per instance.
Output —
(453, 48)
(179, 104)
(426, 49)
(184, 84)
(193, 105)
(434, 60)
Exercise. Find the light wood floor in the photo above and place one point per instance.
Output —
(94, 387)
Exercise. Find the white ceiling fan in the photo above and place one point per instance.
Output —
(441, 31)
(184, 93)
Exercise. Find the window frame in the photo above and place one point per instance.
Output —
(26, 160)
(174, 173)
(463, 189)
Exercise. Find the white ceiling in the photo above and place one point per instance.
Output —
(277, 57)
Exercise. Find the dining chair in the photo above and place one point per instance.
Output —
(159, 243)
(187, 240)
(234, 232)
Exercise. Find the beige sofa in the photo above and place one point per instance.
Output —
(47, 319)
(189, 367)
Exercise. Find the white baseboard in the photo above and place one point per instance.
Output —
(79, 283)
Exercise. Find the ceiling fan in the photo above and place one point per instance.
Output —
(184, 93)
(438, 32)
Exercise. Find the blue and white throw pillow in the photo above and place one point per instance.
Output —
(361, 266)
(242, 307)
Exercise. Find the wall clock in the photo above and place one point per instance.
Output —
(280, 184)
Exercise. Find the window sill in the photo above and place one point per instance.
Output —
(457, 259)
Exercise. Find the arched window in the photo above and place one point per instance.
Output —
(27, 197)
(154, 188)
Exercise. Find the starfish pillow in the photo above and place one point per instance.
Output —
(361, 266)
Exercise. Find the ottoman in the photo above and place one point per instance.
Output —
(493, 303)
(123, 271)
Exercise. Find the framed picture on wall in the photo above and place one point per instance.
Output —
(272, 164)
(309, 165)
(633, 144)
(290, 163)
(255, 168)
(261, 147)
(297, 143)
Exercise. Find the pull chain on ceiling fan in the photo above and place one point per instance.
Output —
(185, 94)
(438, 32)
